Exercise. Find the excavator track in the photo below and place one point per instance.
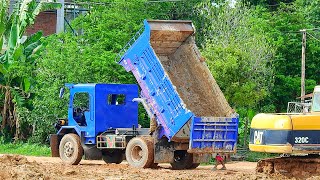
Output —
(293, 166)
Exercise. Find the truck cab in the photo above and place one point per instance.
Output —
(94, 109)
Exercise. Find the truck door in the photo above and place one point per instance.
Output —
(81, 108)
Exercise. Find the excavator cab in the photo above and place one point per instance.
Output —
(316, 100)
(296, 135)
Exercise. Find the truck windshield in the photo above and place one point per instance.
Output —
(316, 102)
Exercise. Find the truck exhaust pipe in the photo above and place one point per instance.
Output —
(153, 122)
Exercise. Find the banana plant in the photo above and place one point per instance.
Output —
(18, 55)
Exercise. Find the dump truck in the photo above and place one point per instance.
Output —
(189, 116)
(293, 135)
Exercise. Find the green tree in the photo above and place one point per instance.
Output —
(286, 23)
(238, 53)
(90, 57)
(268, 3)
(17, 60)
(240, 56)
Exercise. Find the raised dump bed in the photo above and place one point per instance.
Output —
(178, 86)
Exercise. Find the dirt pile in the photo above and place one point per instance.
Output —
(291, 167)
(194, 82)
(13, 159)
(18, 167)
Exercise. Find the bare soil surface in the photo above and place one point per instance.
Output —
(29, 167)
(298, 167)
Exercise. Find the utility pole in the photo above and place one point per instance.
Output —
(11, 4)
(303, 63)
(60, 18)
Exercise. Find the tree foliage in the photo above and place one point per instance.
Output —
(286, 24)
(238, 53)
(88, 58)
(17, 62)
(253, 49)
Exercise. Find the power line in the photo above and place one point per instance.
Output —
(312, 29)
(271, 5)
(164, 1)
(313, 37)
(290, 31)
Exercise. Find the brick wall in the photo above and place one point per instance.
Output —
(45, 21)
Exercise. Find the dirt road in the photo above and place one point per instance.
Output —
(28, 167)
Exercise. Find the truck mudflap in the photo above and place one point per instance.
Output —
(213, 135)
(54, 144)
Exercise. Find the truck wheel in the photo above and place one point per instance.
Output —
(70, 149)
(115, 156)
(150, 139)
(154, 165)
(193, 166)
(182, 160)
(91, 152)
(139, 153)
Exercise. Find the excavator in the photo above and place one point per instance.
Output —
(296, 136)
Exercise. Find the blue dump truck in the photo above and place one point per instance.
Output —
(189, 116)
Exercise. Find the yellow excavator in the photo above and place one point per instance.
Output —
(296, 136)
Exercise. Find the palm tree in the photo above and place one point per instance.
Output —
(17, 58)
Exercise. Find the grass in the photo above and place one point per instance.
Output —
(248, 156)
(256, 156)
(25, 149)
(44, 150)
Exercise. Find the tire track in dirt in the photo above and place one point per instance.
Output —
(29, 167)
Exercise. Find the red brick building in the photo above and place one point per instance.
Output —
(46, 22)
(54, 21)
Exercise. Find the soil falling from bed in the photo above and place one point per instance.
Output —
(194, 82)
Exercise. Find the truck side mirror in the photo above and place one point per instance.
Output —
(61, 92)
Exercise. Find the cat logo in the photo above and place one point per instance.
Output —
(257, 137)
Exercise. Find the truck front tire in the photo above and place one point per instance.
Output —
(139, 153)
(70, 149)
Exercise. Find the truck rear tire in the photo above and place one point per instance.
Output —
(193, 166)
(115, 156)
(70, 149)
(139, 153)
(151, 140)
(182, 160)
